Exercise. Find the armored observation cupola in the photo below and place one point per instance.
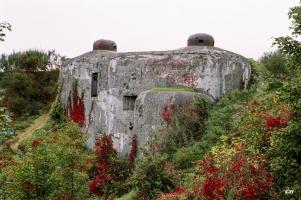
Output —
(106, 45)
(200, 39)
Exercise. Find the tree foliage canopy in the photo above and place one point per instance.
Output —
(30, 61)
(291, 45)
(3, 27)
(28, 80)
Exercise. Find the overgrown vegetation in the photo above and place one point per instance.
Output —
(29, 83)
(6, 126)
(184, 125)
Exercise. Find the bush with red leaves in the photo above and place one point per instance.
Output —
(105, 153)
(6, 161)
(247, 178)
(275, 122)
(104, 149)
(27, 186)
(65, 197)
(282, 114)
(35, 143)
(97, 185)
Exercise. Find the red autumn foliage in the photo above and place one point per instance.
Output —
(78, 110)
(6, 161)
(133, 153)
(237, 166)
(35, 143)
(111, 197)
(249, 180)
(167, 113)
(103, 167)
(27, 186)
(275, 122)
(208, 165)
(104, 153)
(213, 188)
(104, 149)
(280, 119)
(65, 197)
(97, 185)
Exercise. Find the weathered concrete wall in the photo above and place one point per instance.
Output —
(125, 76)
(150, 105)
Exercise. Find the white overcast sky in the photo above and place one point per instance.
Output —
(71, 26)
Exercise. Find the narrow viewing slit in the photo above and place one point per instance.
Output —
(94, 84)
(129, 102)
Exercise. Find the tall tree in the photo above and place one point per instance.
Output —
(291, 45)
(3, 27)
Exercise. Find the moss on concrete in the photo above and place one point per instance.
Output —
(173, 89)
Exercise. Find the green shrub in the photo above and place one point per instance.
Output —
(27, 94)
(150, 177)
(57, 114)
(257, 68)
(29, 81)
(270, 125)
(223, 117)
(185, 156)
(275, 62)
(6, 127)
(52, 167)
(120, 174)
(290, 92)
(285, 158)
(23, 122)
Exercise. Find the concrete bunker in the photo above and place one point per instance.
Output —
(133, 87)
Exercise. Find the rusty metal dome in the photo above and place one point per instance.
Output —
(200, 39)
(107, 45)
